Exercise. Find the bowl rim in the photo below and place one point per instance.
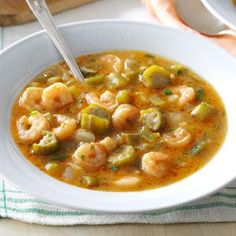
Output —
(140, 208)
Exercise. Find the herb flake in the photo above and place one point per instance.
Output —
(114, 168)
(168, 92)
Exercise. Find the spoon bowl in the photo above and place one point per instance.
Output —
(195, 14)
(224, 10)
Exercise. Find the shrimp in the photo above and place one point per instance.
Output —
(56, 96)
(30, 129)
(66, 128)
(109, 143)
(32, 98)
(177, 138)
(124, 115)
(107, 100)
(182, 95)
(157, 164)
(90, 156)
(114, 61)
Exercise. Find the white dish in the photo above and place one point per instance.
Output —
(224, 10)
(21, 61)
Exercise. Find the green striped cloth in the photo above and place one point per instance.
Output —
(221, 207)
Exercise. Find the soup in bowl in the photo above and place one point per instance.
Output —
(138, 121)
(151, 127)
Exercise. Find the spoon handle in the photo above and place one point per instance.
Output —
(42, 13)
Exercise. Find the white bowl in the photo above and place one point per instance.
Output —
(21, 61)
(224, 10)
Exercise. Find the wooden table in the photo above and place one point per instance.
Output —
(129, 9)
(12, 228)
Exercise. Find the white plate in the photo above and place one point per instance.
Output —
(224, 10)
(21, 61)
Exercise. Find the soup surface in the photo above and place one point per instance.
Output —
(139, 121)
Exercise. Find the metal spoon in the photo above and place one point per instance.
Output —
(195, 15)
(42, 13)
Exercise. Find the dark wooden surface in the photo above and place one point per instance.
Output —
(14, 12)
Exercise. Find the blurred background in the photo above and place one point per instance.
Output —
(14, 13)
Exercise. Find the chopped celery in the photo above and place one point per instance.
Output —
(145, 133)
(96, 110)
(198, 147)
(94, 118)
(129, 75)
(152, 118)
(50, 72)
(155, 77)
(131, 138)
(178, 69)
(75, 90)
(88, 70)
(95, 80)
(47, 145)
(123, 96)
(145, 147)
(117, 81)
(130, 64)
(54, 79)
(123, 156)
(157, 101)
(149, 56)
(71, 82)
(149, 136)
(52, 167)
(142, 68)
(94, 123)
(202, 111)
(34, 112)
(90, 181)
(141, 99)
